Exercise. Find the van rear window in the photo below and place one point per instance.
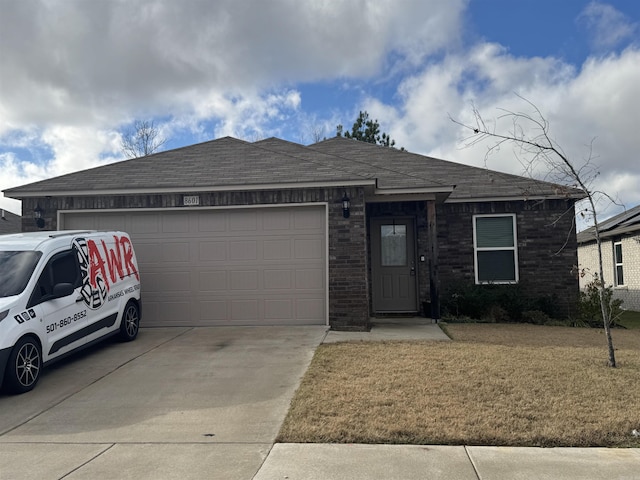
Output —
(16, 269)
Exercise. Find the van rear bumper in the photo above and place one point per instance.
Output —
(4, 358)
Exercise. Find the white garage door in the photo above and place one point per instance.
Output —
(258, 266)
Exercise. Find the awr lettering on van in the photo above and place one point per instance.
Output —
(123, 254)
(128, 256)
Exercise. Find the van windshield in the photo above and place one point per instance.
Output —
(15, 271)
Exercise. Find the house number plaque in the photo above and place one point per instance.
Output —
(190, 200)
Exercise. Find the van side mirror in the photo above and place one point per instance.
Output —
(62, 290)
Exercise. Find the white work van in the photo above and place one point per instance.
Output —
(60, 292)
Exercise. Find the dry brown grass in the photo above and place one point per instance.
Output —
(494, 385)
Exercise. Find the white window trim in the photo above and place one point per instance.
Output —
(616, 264)
(485, 249)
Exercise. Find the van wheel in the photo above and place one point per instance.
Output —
(23, 368)
(130, 322)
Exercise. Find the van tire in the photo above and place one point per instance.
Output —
(130, 322)
(24, 366)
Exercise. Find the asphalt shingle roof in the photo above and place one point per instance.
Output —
(231, 163)
(470, 182)
(10, 223)
(623, 223)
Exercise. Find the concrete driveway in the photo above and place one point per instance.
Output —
(176, 403)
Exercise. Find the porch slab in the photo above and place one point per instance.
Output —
(382, 329)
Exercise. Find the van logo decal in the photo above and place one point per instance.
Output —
(24, 316)
(100, 265)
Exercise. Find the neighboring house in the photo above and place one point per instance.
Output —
(620, 241)
(10, 222)
(229, 232)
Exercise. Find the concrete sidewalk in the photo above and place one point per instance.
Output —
(409, 462)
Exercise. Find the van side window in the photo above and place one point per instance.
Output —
(62, 268)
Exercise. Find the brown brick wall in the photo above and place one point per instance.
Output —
(547, 249)
(545, 261)
(348, 288)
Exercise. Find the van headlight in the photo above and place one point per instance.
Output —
(3, 315)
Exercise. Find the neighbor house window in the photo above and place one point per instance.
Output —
(495, 246)
(617, 259)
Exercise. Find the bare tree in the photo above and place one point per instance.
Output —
(142, 139)
(317, 134)
(539, 152)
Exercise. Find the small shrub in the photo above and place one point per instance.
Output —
(589, 309)
(495, 303)
(558, 323)
(497, 314)
(536, 317)
(448, 318)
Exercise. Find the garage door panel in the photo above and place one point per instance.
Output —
(108, 223)
(175, 312)
(213, 311)
(308, 248)
(161, 282)
(275, 220)
(212, 281)
(243, 280)
(310, 279)
(312, 220)
(145, 223)
(306, 308)
(212, 251)
(81, 221)
(244, 310)
(243, 221)
(215, 221)
(243, 250)
(175, 252)
(148, 254)
(277, 279)
(226, 266)
(278, 249)
(175, 224)
(279, 309)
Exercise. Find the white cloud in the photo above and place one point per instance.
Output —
(15, 172)
(607, 26)
(212, 68)
(597, 103)
(102, 62)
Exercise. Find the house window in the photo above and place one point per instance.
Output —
(495, 246)
(393, 245)
(617, 260)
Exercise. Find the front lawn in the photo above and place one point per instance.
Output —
(493, 385)
(630, 319)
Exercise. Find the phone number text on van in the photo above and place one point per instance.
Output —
(66, 321)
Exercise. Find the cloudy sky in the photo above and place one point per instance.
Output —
(75, 75)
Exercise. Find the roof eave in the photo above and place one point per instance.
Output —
(511, 198)
(12, 193)
(614, 232)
